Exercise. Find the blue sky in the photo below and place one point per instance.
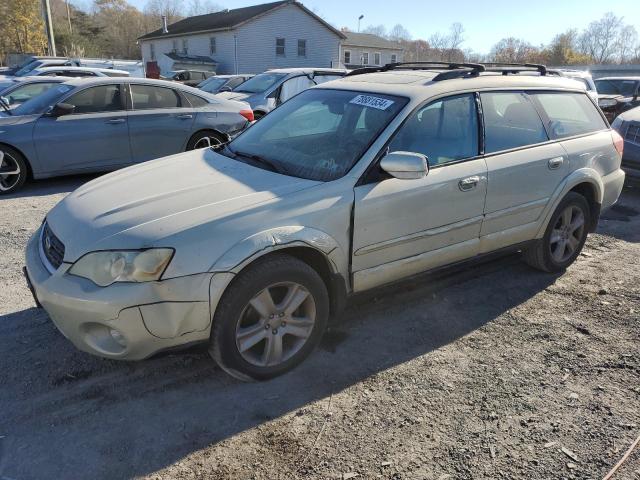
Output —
(485, 22)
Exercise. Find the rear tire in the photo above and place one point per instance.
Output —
(269, 319)
(205, 139)
(564, 237)
(13, 170)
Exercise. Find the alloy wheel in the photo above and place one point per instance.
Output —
(567, 233)
(275, 324)
(9, 171)
(207, 142)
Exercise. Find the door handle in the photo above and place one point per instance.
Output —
(185, 116)
(115, 121)
(468, 183)
(555, 163)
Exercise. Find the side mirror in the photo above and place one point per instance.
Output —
(405, 165)
(225, 89)
(61, 109)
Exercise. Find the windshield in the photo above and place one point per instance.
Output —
(4, 84)
(260, 83)
(212, 84)
(23, 93)
(625, 88)
(319, 134)
(29, 67)
(40, 103)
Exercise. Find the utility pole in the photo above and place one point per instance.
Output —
(69, 18)
(46, 12)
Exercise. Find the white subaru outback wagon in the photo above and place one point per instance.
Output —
(389, 172)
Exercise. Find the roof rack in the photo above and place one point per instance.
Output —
(467, 68)
(511, 68)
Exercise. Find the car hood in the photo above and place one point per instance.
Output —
(7, 119)
(632, 115)
(144, 205)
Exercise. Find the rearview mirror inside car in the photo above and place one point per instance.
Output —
(61, 109)
(405, 165)
(225, 89)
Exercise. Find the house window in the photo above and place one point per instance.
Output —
(365, 58)
(347, 57)
(152, 47)
(185, 46)
(212, 45)
(302, 48)
(394, 58)
(376, 58)
(174, 45)
(280, 47)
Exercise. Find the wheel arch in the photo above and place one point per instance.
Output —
(208, 129)
(315, 248)
(586, 182)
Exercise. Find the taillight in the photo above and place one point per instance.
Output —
(248, 114)
(618, 142)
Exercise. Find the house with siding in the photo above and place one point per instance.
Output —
(245, 40)
(367, 49)
(253, 39)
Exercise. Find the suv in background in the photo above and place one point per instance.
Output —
(617, 94)
(582, 76)
(267, 90)
(392, 171)
(190, 77)
(627, 124)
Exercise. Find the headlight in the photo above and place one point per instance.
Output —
(607, 102)
(105, 268)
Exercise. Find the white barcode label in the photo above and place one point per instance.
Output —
(373, 102)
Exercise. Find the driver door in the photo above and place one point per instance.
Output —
(403, 227)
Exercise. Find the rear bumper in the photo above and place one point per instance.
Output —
(612, 184)
(128, 321)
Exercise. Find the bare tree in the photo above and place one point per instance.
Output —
(398, 32)
(627, 43)
(154, 10)
(599, 39)
(514, 50)
(202, 7)
(379, 30)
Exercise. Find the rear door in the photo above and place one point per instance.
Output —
(524, 168)
(160, 121)
(402, 227)
(95, 136)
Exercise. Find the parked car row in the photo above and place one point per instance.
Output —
(251, 246)
(104, 123)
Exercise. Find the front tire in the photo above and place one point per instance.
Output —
(270, 318)
(13, 170)
(564, 237)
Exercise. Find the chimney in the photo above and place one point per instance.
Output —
(164, 24)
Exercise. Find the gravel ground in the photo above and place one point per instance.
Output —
(494, 371)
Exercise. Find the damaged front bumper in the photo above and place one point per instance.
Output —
(128, 321)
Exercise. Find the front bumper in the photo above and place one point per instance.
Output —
(146, 317)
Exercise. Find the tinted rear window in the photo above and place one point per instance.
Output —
(148, 96)
(569, 114)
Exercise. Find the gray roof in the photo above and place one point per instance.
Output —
(369, 40)
(179, 57)
(228, 19)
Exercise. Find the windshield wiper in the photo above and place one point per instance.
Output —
(257, 158)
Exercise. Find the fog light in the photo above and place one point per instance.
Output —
(117, 336)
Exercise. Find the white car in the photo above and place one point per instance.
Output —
(582, 76)
(67, 71)
(350, 185)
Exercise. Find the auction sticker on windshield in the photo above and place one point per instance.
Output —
(373, 102)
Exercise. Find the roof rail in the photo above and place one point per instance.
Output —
(510, 68)
(465, 67)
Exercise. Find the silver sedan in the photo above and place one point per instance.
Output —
(100, 124)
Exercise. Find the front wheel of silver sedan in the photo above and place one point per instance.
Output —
(270, 318)
(205, 139)
(13, 170)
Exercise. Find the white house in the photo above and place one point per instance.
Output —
(256, 38)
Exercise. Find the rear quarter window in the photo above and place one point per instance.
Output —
(569, 114)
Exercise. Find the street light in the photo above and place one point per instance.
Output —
(359, 18)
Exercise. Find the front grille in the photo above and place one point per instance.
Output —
(52, 247)
(633, 134)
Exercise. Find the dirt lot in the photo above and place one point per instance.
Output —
(496, 371)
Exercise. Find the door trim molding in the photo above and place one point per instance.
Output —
(418, 235)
